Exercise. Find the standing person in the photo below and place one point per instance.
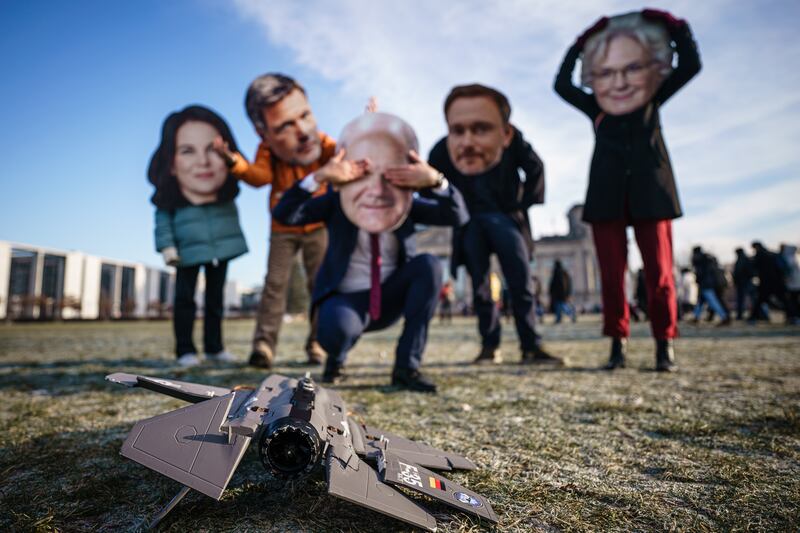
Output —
(743, 273)
(705, 270)
(771, 281)
(560, 290)
(446, 297)
(197, 223)
(482, 156)
(291, 147)
(791, 261)
(627, 62)
(371, 275)
(687, 291)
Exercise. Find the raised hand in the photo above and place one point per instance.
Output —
(417, 174)
(337, 171)
(600, 25)
(372, 105)
(669, 20)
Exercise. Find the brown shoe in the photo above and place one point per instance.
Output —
(316, 355)
(261, 359)
(488, 356)
(538, 356)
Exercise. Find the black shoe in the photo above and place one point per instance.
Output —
(488, 356)
(538, 356)
(413, 380)
(724, 322)
(619, 349)
(260, 360)
(334, 375)
(665, 356)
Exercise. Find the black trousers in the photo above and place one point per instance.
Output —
(185, 309)
(497, 233)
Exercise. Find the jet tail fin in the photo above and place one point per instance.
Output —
(400, 472)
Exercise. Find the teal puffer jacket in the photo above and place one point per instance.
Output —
(201, 233)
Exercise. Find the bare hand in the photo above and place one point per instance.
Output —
(171, 256)
(415, 175)
(337, 171)
(224, 151)
(372, 105)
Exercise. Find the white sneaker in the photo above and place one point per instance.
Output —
(222, 357)
(188, 360)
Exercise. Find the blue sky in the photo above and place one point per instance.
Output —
(86, 85)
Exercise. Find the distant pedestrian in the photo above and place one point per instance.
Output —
(791, 261)
(641, 292)
(687, 291)
(771, 282)
(197, 223)
(560, 291)
(705, 270)
(743, 273)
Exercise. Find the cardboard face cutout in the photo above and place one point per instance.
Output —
(476, 135)
(199, 170)
(625, 70)
(291, 131)
(372, 203)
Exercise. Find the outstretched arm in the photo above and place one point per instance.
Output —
(563, 84)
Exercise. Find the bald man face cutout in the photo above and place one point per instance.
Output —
(372, 203)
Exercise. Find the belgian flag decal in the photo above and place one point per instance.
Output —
(436, 483)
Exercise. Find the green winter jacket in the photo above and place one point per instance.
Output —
(201, 233)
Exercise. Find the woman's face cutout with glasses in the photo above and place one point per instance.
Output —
(625, 78)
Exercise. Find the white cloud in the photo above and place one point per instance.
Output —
(739, 119)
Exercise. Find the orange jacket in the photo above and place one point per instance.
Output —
(266, 170)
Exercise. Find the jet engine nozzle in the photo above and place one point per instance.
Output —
(289, 449)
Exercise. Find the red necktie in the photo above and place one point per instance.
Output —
(375, 277)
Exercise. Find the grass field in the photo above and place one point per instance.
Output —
(713, 447)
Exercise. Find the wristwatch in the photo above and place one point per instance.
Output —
(439, 181)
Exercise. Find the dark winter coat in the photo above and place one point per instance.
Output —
(631, 175)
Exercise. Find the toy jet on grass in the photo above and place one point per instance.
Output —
(297, 425)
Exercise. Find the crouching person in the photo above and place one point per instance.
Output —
(371, 275)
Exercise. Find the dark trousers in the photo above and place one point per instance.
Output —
(185, 309)
(744, 290)
(654, 238)
(411, 292)
(497, 233)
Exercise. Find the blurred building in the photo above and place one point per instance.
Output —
(38, 283)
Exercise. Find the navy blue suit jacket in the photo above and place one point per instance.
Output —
(297, 207)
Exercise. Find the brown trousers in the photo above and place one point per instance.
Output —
(283, 248)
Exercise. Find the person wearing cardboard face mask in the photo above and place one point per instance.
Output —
(197, 223)
(482, 156)
(291, 147)
(371, 275)
(627, 63)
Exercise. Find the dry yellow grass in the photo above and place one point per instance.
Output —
(713, 447)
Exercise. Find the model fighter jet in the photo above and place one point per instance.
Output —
(297, 425)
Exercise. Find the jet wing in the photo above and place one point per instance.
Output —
(400, 473)
(416, 452)
(183, 390)
(188, 446)
(357, 483)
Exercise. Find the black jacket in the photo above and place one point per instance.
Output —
(298, 207)
(512, 195)
(630, 162)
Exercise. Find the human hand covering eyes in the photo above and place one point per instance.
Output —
(221, 147)
(417, 174)
(337, 171)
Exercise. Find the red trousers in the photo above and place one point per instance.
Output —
(654, 238)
